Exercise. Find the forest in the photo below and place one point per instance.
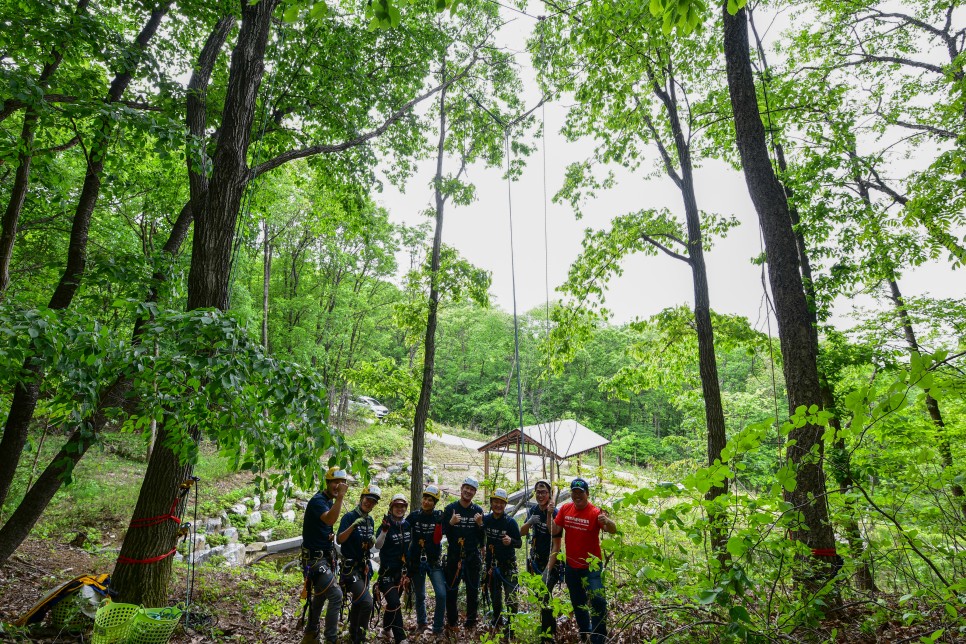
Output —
(202, 266)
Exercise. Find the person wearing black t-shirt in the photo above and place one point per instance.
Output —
(540, 519)
(356, 537)
(318, 558)
(395, 535)
(425, 556)
(502, 541)
(463, 527)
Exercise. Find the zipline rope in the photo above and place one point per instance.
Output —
(516, 323)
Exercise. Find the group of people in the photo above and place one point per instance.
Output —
(481, 549)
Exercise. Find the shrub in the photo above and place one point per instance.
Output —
(287, 530)
(379, 441)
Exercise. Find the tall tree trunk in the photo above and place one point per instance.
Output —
(27, 390)
(707, 361)
(842, 465)
(429, 351)
(797, 337)
(139, 576)
(21, 182)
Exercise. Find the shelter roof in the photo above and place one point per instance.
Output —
(561, 439)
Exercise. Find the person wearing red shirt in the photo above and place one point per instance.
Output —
(581, 523)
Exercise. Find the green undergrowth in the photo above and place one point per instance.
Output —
(103, 489)
(380, 441)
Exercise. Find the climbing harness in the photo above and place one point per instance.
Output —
(459, 565)
(315, 562)
(37, 612)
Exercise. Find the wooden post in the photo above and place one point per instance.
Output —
(600, 458)
(486, 468)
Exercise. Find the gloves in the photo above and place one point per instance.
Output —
(386, 523)
(358, 522)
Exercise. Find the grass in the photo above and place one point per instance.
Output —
(380, 441)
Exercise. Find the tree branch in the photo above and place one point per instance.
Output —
(59, 148)
(946, 134)
(925, 26)
(14, 105)
(664, 249)
(908, 62)
(292, 155)
(668, 163)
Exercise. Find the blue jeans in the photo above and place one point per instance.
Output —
(582, 583)
(436, 578)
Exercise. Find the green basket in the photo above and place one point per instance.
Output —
(66, 615)
(113, 622)
(153, 625)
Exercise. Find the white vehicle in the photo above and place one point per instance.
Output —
(368, 404)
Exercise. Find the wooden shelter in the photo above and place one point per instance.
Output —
(555, 442)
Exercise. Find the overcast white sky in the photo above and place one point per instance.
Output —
(481, 231)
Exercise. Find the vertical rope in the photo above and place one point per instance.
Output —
(516, 323)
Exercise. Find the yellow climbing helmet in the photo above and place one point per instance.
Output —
(336, 473)
(500, 495)
(433, 491)
(373, 491)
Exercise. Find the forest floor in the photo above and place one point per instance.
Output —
(260, 603)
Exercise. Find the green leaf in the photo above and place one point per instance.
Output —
(737, 546)
(292, 13)
(739, 614)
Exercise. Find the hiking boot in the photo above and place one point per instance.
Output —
(419, 629)
(311, 638)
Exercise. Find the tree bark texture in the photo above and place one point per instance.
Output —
(841, 463)
(27, 392)
(429, 351)
(21, 182)
(796, 335)
(215, 222)
(137, 578)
